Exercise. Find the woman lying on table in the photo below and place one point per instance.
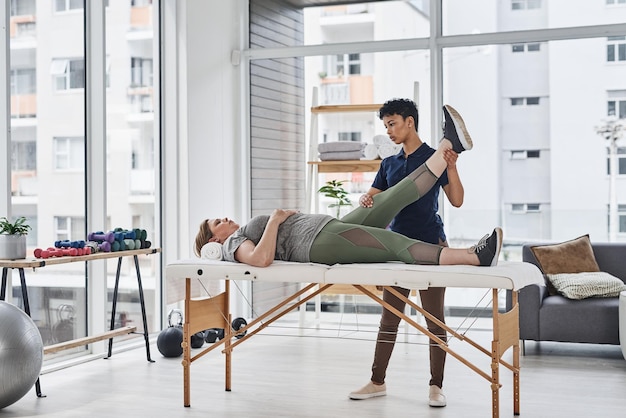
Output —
(359, 237)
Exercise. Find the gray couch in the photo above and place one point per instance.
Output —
(555, 318)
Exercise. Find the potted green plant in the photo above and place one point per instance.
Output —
(334, 189)
(13, 238)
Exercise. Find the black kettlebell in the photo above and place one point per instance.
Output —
(169, 341)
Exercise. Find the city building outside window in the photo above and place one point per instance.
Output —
(621, 161)
(525, 207)
(525, 4)
(523, 154)
(22, 7)
(621, 214)
(349, 136)
(532, 47)
(66, 5)
(616, 48)
(69, 153)
(616, 105)
(347, 64)
(68, 74)
(23, 156)
(69, 228)
(521, 101)
(23, 81)
(141, 71)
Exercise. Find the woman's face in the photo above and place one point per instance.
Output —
(222, 228)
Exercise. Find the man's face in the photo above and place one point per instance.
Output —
(398, 128)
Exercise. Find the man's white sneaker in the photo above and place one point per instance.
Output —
(369, 391)
(436, 398)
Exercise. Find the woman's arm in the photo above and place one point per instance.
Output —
(262, 254)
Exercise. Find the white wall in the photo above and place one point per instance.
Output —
(208, 167)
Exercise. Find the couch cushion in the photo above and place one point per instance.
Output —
(592, 320)
(586, 285)
(574, 256)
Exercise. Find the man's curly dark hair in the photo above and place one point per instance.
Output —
(402, 107)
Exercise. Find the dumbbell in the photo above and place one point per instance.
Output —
(101, 236)
(122, 234)
(55, 252)
(213, 334)
(69, 244)
(118, 246)
(237, 324)
(96, 247)
(140, 234)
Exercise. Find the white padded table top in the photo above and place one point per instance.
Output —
(506, 275)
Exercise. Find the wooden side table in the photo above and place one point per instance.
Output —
(35, 263)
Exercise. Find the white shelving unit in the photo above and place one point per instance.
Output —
(316, 167)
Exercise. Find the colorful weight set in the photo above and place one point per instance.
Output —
(63, 249)
(117, 240)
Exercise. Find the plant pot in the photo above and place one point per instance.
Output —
(12, 247)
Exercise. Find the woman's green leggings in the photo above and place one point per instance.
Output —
(361, 237)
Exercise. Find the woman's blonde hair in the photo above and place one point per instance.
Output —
(202, 237)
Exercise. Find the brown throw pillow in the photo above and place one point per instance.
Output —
(575, 256)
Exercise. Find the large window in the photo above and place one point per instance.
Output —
(48, 154)
(131, 143)
(519, 103)
(54, 146)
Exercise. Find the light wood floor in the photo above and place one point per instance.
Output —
(287, 371)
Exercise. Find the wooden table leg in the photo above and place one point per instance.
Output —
(495, 359)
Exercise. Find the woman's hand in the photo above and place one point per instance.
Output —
(263, 253)
(281, 215)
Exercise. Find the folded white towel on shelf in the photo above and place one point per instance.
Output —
(381, 140)
(335, 156)
(212, 251)
(340, 146)
(370, 152)
(387, 150)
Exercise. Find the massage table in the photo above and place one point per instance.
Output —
(202, 312)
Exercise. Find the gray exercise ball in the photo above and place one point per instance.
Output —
(21, 354)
